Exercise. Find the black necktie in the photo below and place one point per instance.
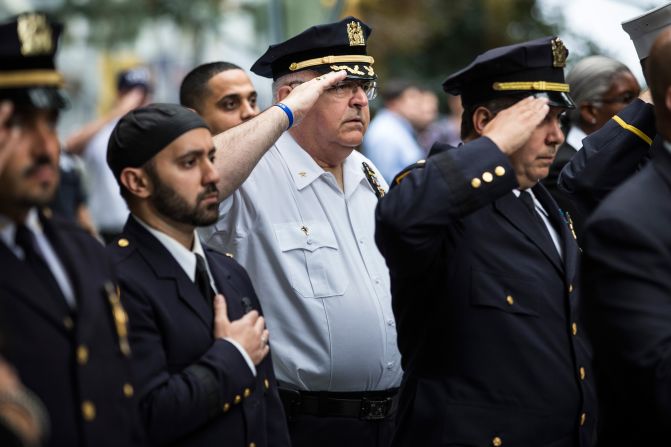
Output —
(528, 200)
(25, 239)
(203, 280)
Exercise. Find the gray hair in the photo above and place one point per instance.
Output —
(300, 76)
(589, 79)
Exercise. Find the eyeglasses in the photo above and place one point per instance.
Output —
(624, 98)
(349, 87)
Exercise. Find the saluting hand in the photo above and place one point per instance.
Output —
(511, 128)
(303, 96)
(249, 331)
(9, 136)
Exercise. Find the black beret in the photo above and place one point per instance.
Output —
(28, 44)
(144, 132)
(534, 68)
(322, 48)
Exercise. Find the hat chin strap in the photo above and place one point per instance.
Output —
(327, 60)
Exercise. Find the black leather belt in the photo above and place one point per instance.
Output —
(367, 406)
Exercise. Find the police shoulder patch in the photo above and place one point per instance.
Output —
(403, 174)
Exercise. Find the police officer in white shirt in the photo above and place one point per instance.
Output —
(302, 225)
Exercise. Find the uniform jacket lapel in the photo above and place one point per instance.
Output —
(165, 267)
(515, 212)
(561, 225)
(30, 289)
(225, 286)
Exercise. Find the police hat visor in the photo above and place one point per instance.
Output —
(38, 97)
(556, 99)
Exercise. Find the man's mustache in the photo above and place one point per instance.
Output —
(209, 189)
(42, 161)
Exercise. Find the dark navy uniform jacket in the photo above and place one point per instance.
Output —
(627, 280)
(72, 359)
(193, 390)
(610, 155)
(487, 312)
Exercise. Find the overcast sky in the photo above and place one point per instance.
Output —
(600, 20)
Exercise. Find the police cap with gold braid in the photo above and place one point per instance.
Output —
(322, 48)
(534, 68)
(28, 75)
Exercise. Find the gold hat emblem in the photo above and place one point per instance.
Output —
(355, 34)
(559, 53)
(35, 35)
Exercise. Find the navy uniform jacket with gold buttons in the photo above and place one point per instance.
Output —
(487, 312)
(627, 280)
(72, 360)
(193, 390)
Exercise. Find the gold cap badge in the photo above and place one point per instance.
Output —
(355, 34)
(559, 53)
(35, 35)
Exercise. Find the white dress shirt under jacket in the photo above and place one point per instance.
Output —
(8, 234)
(187, 260)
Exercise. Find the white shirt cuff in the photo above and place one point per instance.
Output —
(244, 354)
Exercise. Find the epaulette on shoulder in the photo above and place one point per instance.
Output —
(403, 174)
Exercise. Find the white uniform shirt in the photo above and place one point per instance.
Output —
(324, 286)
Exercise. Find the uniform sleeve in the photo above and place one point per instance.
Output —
(609, 156)
(626, 290)
(175, 403)
(411, 219)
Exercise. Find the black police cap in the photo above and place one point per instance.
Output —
(322, 48)
(144, 132)
(533, 68)
(28, 75)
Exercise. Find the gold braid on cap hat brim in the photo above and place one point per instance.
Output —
(326, 60)
(532, 85)
(27, 78)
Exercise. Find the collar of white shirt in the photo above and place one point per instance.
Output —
(537, 204)
(574, 137)
(305, 170)
(667, 145)
(185, 258)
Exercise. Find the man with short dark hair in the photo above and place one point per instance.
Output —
(202, 367)
(483, 268)
(220, 92)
